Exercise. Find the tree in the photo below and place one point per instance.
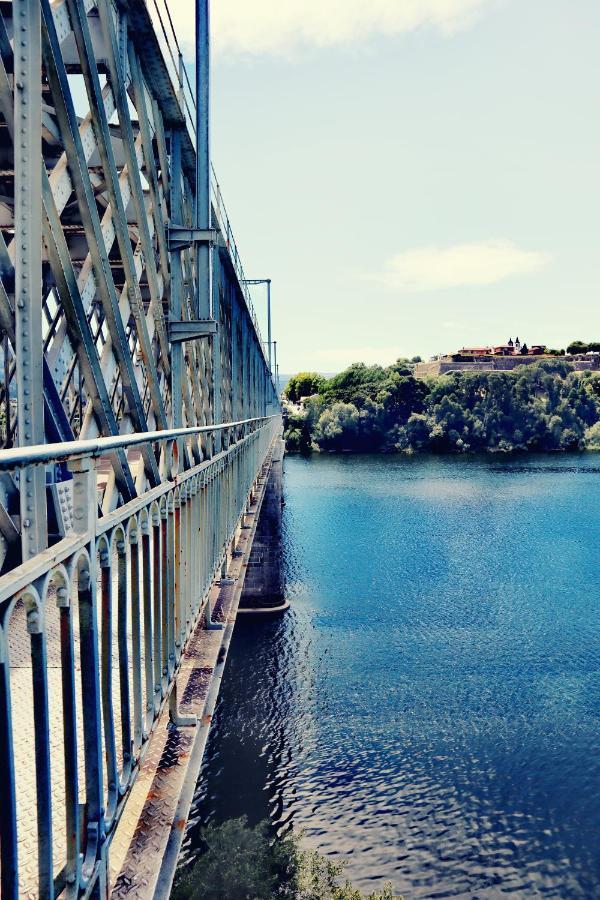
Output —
(416, 433)
(298, 433)
(577, 347)
(337, 428)
(356, 384)
(401, 395)
(543, 406)
(319, 879)
(304, 384)
(243, 863)
(592, 437)
(236, 864)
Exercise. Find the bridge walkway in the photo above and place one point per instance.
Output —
(138, 406)
(145, 847)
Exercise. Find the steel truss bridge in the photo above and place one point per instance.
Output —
(138, 418)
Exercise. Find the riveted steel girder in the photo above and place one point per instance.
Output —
(121, 288)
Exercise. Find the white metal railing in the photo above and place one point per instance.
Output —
(92, 631)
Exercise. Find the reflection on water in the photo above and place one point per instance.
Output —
(430, 707)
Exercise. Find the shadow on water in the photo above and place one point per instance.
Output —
(256, 738)
(260, 721)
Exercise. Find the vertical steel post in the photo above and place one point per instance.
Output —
(202, 199)
(85, 509)
(9, 874)
(275, 372)
(206, 297)
(217, 342)
(176, 293)
(235, 362)
(269, 320)
(28, 265)
(41, 718)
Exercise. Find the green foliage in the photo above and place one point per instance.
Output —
(298, 433)
(356, 384)
(592, 437)
(236, 865)
(319, 879)
(337, 427)
(243, 863)
(304, 384)
(541, 406)
(583, 347)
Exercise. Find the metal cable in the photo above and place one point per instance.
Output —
(219, 196)
(187, 77)
(166, 37)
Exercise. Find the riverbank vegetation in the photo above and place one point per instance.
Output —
(539, 407)
(243, 863)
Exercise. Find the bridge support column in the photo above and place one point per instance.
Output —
(28, 268)
(264, 585)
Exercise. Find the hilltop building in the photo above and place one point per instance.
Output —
(511, 348)
(499, 358)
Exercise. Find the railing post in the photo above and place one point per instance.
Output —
(67, 659)
(106, 605)
(41, 714)
(136, 638)
(179, 601)
(168, 593)
(148, 711)
(85, 496)
(158, 529)
(9, 884)
(178, 568)
(85, 514)
(124, 661)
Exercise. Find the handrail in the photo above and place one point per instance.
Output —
(124, 593)
(18, 457)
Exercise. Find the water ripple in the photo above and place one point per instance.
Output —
(430, 707)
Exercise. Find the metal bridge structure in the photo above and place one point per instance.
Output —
(138, 420)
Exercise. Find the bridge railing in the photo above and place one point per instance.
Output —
(92, 631)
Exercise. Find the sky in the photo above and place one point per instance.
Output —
(414, 176)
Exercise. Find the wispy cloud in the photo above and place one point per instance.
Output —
(464, 265)
(285, 26)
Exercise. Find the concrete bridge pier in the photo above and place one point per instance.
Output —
(264, 584)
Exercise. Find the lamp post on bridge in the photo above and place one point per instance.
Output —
(202, 198)
(266, 281)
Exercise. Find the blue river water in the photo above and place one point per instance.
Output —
(429, 708)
